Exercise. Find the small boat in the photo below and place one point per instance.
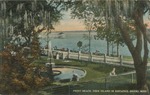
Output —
(61, 35)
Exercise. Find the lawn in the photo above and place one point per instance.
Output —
(94, 70)
(129, 58)
(96, 78)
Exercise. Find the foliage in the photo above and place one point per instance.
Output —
(35, 47)
(22, 17)
(20, 23)
(96, 16)
(127, 16)
(17, 76)
(79, 44)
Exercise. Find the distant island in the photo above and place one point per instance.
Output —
(73, 31)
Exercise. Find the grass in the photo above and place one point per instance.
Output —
(129, 58)
(94, 70)
(95, 78)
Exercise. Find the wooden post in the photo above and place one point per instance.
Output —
(105, 60)
(79, 53)
(57, 55)
(91, 57)
(68, 54)
(52, 49)
(121, 59)
(63, 56)
(132, 77)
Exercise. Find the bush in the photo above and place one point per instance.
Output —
(17, 75)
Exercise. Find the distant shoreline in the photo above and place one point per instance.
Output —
(72, 31)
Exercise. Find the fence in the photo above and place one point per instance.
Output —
(98, 58)
(120, 79)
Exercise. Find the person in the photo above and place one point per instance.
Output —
(75, 77)
(113, 72)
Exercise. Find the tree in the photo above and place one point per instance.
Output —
(95, 20)
(23, 17)
(17, 75)
(135, 14)
(79, 44)
(121, 13)
(20, 23)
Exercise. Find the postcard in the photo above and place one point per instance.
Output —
(74, 47)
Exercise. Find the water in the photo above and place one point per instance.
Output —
(71, 39)
(67, 73)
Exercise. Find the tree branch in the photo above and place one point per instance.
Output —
(123, 28)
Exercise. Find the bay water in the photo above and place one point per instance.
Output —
(69, 40)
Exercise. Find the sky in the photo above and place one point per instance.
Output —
(69, 24)
(147, 20)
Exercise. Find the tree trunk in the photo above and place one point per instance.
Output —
(1, 42)
(141, 77)
(107, 48)
(140, 62)
(117, 49)
(141, 67)
(112, 49)
(140, 70)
